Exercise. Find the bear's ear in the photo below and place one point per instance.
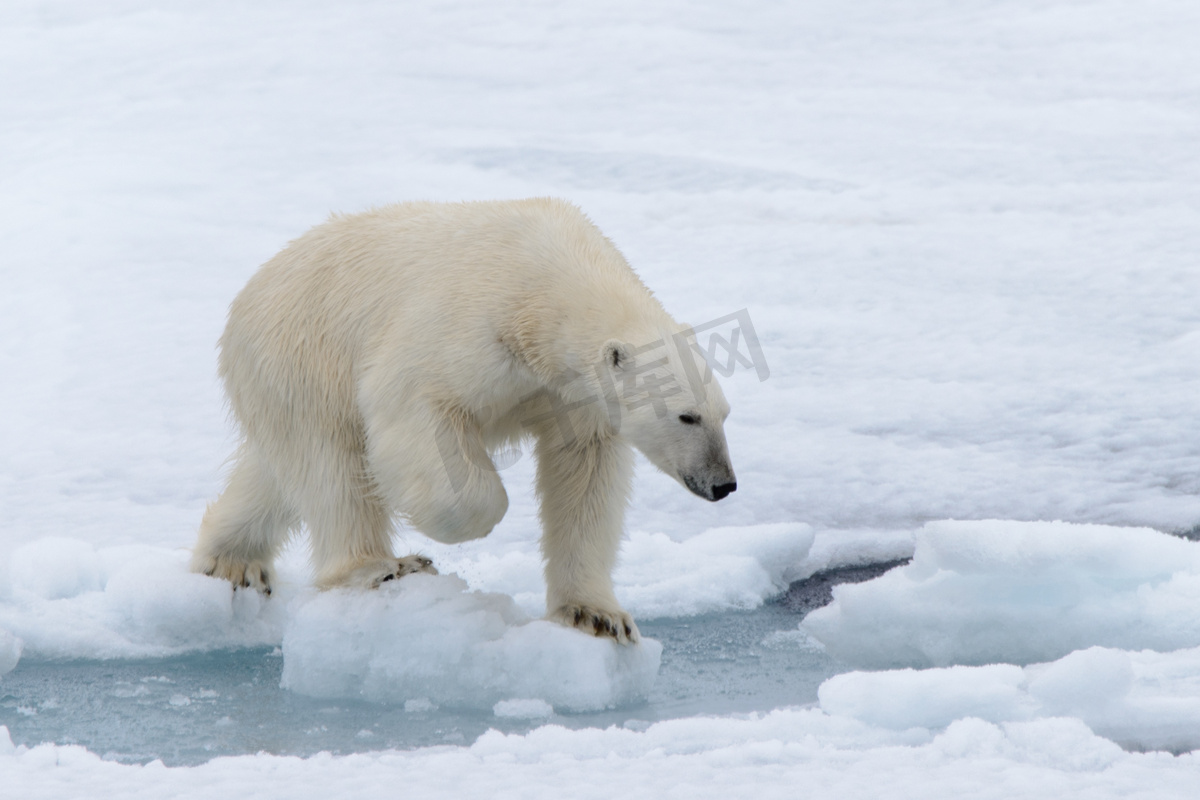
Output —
(617, 355)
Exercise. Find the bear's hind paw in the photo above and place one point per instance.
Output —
(406, 566)
(253, 575)
(614, 624)
(377, 573)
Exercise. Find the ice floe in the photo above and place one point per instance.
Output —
(1018, 592)
(1141, 700)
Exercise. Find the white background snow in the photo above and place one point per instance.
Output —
(965, 232)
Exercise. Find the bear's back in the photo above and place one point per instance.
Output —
(431, 292)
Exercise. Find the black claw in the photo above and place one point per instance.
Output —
(386, 578)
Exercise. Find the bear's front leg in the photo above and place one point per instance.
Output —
(584, 488)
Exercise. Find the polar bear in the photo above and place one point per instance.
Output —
(377, 361)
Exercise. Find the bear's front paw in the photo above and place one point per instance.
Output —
(245, 575)
(614, 623)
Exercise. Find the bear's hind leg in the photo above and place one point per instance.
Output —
(243, 529)
(437, 474)
(350, 527)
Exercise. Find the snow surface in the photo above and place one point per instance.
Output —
(965, 233)
(777, 755)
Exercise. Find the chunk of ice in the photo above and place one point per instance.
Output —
(54, 568)
(429, 637)
(523, 709)
(1141, 700)
(10, 651)
(718, 570)
(126, 602)
(1019, 592)
(931, 698)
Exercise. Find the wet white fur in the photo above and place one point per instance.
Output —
(374, 364)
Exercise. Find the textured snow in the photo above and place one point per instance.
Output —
(776, 755)
(1018, 592)
(963, 232)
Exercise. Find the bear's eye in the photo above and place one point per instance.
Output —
(688, 419)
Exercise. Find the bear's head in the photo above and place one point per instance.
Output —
(664, 399)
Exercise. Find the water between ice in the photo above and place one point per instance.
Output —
(189, 709)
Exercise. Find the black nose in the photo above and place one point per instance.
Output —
(720, 492)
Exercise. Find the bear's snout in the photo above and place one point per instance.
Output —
(711, 491)
(723, 490)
